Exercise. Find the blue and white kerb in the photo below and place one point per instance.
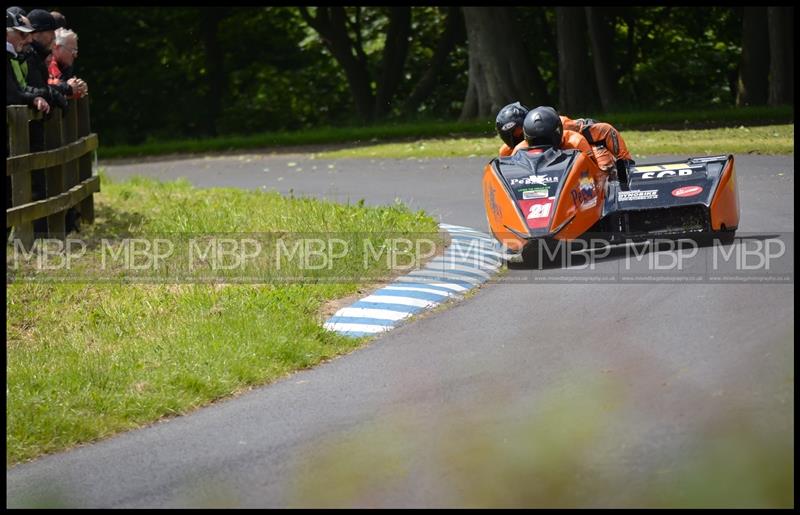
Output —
(471, 259)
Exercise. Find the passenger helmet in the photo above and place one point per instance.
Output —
(509, 123)
(542, 126)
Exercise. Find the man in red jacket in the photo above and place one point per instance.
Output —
(65, 50)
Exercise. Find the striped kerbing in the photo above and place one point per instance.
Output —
(471, 259)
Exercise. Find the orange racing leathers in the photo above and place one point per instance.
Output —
(607, 144)
(604, 141)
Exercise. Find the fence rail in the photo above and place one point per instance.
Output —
(49, 171)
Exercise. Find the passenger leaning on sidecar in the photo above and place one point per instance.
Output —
(607, 147)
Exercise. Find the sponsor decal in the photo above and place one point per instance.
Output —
(508, 126)
(540, 192)
(583, 196)
(537, 211)
(687, 191)
(709, 159)
(684, 172)
(625, 196)
(661, 168)
(651, 168)
(533, 179)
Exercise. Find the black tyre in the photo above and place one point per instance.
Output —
(543, 253)
(724, 236)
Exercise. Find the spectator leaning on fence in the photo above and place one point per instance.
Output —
(61, 21)
(44, 26)
(65, 50)
(21, 65)
(18, 34)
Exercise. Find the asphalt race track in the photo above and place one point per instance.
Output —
(536, 391)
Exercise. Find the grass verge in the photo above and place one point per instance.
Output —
(770, 139)
(640, 120)
(85, 361)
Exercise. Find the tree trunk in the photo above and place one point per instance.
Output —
(452, 35)
(544, 37)
(395, 50)
(572, 60)
(470, 109)
(781, 48)
(602, 37)
(500, 71)
(331, 24)
(753, 87)
(215, 74)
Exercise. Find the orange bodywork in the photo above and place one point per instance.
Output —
(505, 151)
(579, 205)
(501, 211)
(725, 204)
(582, 195)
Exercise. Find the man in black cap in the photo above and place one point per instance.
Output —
(44, 26)
(20, 66)
(15, 9)
(18, 34)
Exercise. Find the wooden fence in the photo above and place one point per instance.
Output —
(66, 163)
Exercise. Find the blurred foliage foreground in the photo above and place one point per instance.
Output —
(577, 445)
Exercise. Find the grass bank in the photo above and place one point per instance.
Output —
(640, 120)
(769, 139)
(87, 360)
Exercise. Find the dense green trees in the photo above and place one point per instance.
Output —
(192, 72)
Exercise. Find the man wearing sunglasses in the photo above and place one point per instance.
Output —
(18, 35)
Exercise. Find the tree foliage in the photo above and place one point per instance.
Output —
(178, 72)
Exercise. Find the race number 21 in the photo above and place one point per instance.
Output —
(539, 211)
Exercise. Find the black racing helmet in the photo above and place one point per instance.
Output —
(542, 126)
(509, 123)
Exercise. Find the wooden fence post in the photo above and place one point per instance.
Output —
(19, 143)
(85, 162)
(69, 130)
(45, 186)
(55, 175)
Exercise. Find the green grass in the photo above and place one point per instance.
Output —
(305, 138)
(770, 139)
(644, 120)
(85, 361)
(697, 118)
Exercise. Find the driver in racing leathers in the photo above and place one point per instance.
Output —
(608, 149)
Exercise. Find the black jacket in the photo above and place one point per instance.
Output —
(15, 93)
(38, 75)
